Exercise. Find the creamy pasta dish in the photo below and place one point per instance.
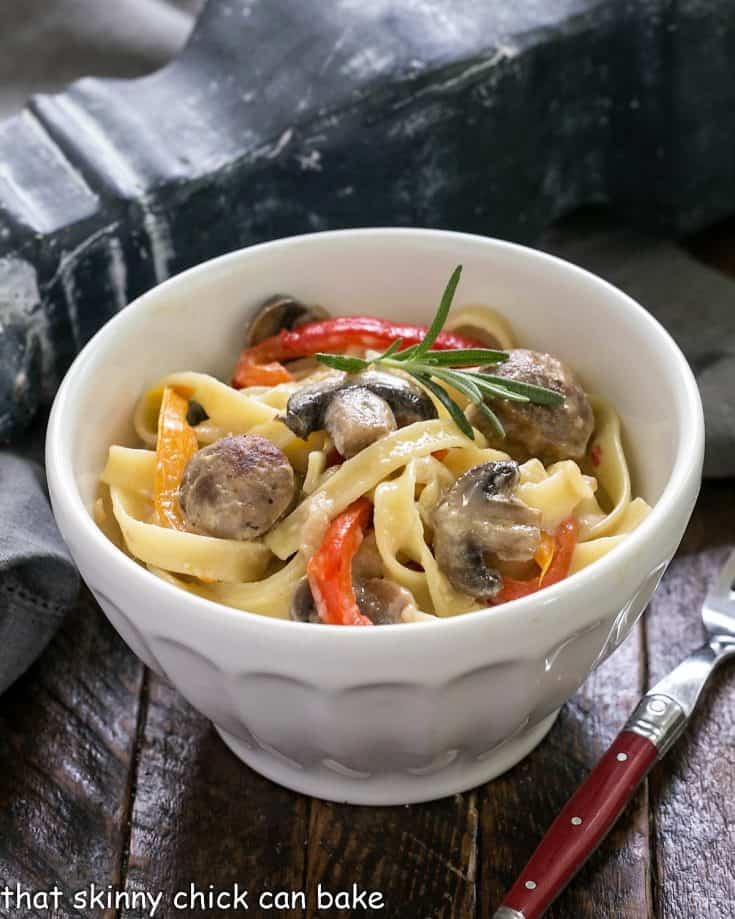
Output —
(358, 471)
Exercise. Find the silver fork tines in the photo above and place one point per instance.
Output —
(718, 612)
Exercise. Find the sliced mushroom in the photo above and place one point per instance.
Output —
(409, 402)
(308, 409)
(480, 517)
(381, 600)
(368, 562)
(550, 432)
(281, 312)
(237, 487)
(303, 608)
(195, 413)
(355, 417)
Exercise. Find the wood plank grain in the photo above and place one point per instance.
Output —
(422, 858)
(67, 733)
(693, 790)
(201, 817)
(517, 809)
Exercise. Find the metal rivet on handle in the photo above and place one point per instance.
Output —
(622, 757)
(658, 706)
(576, 821)
(530, 885)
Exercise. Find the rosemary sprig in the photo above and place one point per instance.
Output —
(435, 370)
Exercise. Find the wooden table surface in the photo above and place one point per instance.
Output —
(108, 777)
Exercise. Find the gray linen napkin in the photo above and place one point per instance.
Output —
(38, 580)
(44, 45)
(695, 303)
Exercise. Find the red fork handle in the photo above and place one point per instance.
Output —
(581, 826)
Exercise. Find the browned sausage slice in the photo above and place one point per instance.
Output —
(550, 432)
(237, 487)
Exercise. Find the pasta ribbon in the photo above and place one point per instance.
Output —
(268, 597)
(296, 450)
(436, 479)
(466, 457)
(315, 466)
(230, 410)
(357, 476)
(405, 475)
(482, 323)
(592, 549)
(611, 469)
(133, 470)
(399, 532)
(205, 557)
(555, 491)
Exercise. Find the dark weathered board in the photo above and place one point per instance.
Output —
(199, 817)
(489, 117)
(422, 858)
(67, 739)
(693, 791)
(517, 809)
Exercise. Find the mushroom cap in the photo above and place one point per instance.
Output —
(303, 607)
(306, 408)
(383, 601)
(380, 599)
(237, 487)
(278, 312)
(549, 432)
(195, 413)
(479, 516)
(409, 402)
(356, 417)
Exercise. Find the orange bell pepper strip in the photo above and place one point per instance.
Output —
(259, 364)
(330, 568)
(250, 373)
(544, 554)
(565, 540)
(176, 444)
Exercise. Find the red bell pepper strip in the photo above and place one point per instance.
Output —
(334, 458)
(258, 365)
(565, 540)
(330, 568)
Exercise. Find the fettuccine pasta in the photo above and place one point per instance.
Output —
(388, 486)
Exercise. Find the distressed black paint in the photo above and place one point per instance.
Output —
(281, 117)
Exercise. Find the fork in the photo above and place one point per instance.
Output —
(655, 725)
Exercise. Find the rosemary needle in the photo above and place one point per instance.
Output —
(437, 370)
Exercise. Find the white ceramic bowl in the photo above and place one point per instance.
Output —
(412, 712)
